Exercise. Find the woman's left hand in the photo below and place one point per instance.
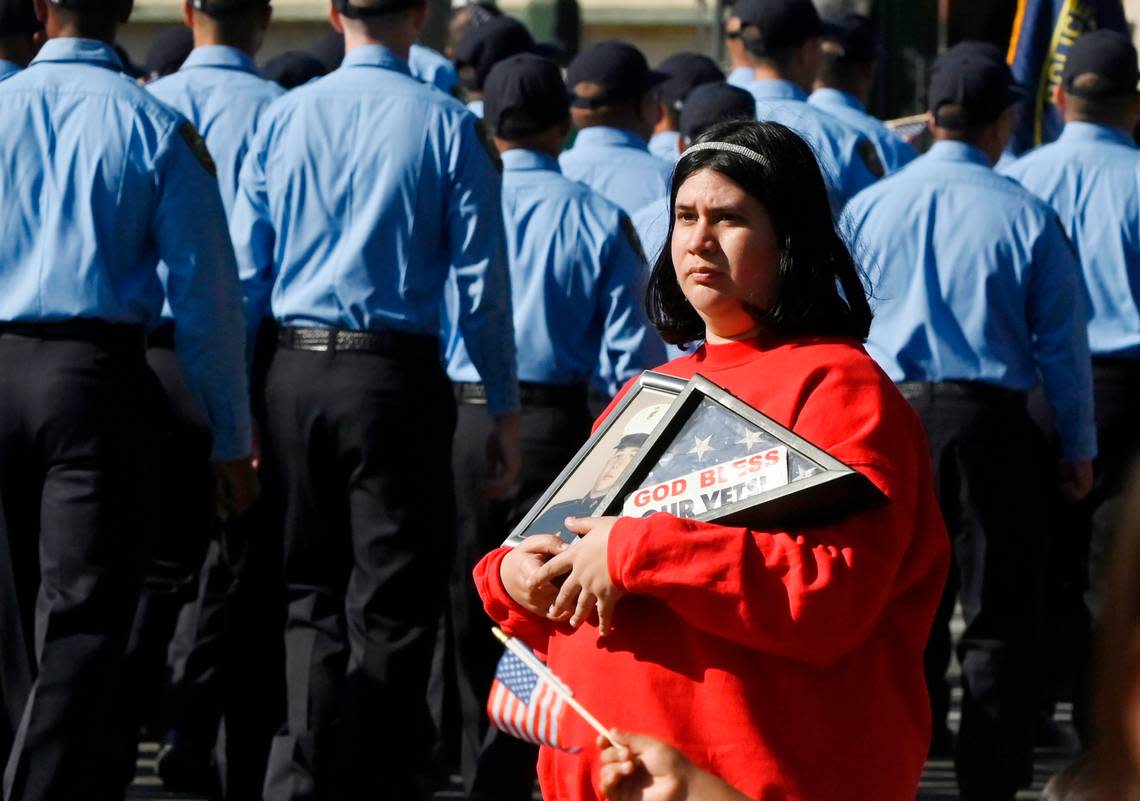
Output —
(588, 582)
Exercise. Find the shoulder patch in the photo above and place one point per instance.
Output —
(489, 144)
(198, 148)
(631, 236)
(870, 156)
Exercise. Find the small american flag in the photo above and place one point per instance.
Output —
(525, 704)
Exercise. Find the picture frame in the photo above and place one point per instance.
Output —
(603, 460)
(770, 477)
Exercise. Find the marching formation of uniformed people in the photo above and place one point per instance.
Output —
(285, 351)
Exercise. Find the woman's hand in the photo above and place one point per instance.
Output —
(588, 582)
(518, 569)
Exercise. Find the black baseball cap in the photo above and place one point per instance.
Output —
(483, 47)
(524, 94)
(358, 10)
(167, 51)
(767, 26)
(1109, 58)
(686, 71)
(18, 17)
(712, 103)
(293, 68)
(618, 69)
(851, 36)
(974, 77)
(222, 8)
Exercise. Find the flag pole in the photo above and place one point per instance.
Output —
(535, 664)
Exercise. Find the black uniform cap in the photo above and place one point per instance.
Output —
(851, 36)
(1109, 57)
(524, 94)
(483, 47)
(168, 50)
(293, 68)
(767, 26)
(374, 8)
(974, 77)
(221, 8)
(18, 17)
(618, 68)
(712, 103)
(686, 71)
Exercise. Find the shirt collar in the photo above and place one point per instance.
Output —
(220, 56)
(1092, 132)
(84, 50)
(742, 76)
(374, 55)
(603, 136)
(776, 89)
(8, 68)
(519, 159)
(949, 150)
(837, 97)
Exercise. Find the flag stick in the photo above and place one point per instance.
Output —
(523, 653)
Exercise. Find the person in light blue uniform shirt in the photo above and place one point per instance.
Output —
(977, 297)
(432, 67)
(20, 32)
(218, 88)
(844, 82)
(782, 38)
(576, 275)
(614, 111)
(686, 71)
(481, 48)
(78, 287)
(1090, 177)
(362, 192)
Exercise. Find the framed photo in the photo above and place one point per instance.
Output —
(602, 462)
(716, 458)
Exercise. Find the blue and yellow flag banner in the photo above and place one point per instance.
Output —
(1043, 34)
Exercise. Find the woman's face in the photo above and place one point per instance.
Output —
(724, 252)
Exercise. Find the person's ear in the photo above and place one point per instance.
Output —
(335, 20)
(1059, 99)
(188, 14)
(40, 7)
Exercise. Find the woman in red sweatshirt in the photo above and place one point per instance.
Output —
(787, 662)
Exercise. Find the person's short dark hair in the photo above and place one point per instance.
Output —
(367, 10)
(293, 68)
(95, 19)
(221, 9)
(714, 103)
(168, 49)
(819, 288)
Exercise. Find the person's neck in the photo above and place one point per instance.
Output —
(401, 45)
(719, 338)
(210, 39)
(764, 71)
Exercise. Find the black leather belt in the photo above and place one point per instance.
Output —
(97, 332)
(385, 343)
(973, 390)
(530, 394)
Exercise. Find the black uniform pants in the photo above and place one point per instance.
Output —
(361, 444)
(990, 464)
(74, 415)
(495, 766)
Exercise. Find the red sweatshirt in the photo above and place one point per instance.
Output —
(787, 662)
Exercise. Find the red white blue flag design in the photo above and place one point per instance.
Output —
(526, 704)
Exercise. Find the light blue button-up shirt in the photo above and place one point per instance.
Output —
(432, 67)
(99, 180)
(742, 77)
(576, 281)
(972, 278)
(665, 146)
(8, 68)
(837, 145)
(219, 90)
(616, 164)
(1091, 178)
(476, 108)
(361, 191)
(652, 226)
(893, 152)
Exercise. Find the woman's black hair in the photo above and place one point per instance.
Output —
(819, 288)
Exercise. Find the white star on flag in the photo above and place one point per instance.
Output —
(750, 439)
(701, 447)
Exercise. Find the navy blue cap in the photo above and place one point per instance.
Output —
(359, 9)
(222, 8)
(851, 36)
(767, 26)
(524, 94)
(712, 103)
(686, 71)
(293, 68)
(1104, 61)
(617, 69)
(18, 17)
(483, 47)
(974, 77)
(168, 50)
